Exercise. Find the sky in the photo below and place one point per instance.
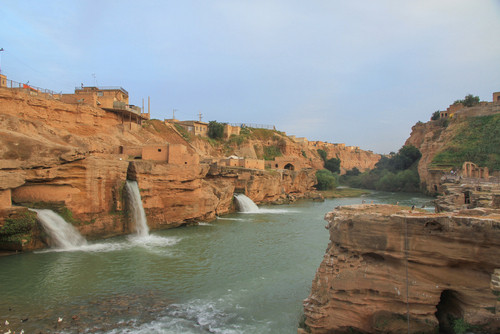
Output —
(358, 72)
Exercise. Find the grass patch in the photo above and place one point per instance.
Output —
(475, 139)
(343, 192)
(271, 152)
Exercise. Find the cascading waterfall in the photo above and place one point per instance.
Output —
(138, 214)
(246, 204)
(63, 234)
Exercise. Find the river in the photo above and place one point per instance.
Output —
(242, 273)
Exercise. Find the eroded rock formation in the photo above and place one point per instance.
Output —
(66, 157)
(362, 285)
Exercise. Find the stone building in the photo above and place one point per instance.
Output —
(102, 97)
(196, 128)
(290, 163)
(170, 153)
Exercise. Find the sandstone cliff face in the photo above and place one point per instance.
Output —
(361, 284)
(66, 157)
(429, 138)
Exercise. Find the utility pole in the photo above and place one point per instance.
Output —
(173, 116)
(199, 115)
(1, 49)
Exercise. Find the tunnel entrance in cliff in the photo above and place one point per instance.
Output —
(448, 309)
(289, 167)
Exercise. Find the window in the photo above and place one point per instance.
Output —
(100, 93)
(159, 150)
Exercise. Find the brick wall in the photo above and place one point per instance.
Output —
(155, 152)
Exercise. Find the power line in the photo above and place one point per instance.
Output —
(48, 77)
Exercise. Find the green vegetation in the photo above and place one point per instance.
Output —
(461, 327)
(469, 100)
(333, 165)
(216, 130)
(15, 229)
(436, 115)
(186, 135)
(304, 154)
(475, 139)
(271, 152)
(326, 180)
(397, 172)
(322, 154)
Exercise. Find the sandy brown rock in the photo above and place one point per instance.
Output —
(362, 283)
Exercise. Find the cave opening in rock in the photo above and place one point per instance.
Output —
(448, 309)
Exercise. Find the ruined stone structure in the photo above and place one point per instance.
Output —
(383, 260)
(230, 130)
(471, 170)
(290, 163)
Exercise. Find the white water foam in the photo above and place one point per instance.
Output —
(204, 224)
(64, 235)
(245, 204)
(141, 224)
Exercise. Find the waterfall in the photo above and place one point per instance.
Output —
(246, 204)
(139, 216)
(63, 234)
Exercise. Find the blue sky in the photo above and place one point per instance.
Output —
(354, 72)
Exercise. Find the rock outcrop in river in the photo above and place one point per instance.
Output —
(367, 281)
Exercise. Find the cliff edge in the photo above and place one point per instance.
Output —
(383, 260)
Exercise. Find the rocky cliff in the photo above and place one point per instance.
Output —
(383, 260)
(471, 134)
(66, 157)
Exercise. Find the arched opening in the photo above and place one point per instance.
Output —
(435, 187)
(289, 167)
(448, 309)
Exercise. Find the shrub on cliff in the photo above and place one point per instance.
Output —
(216, 130)
(333, 165)
(469, 100)
(322, 154)
(436, 115)
(326, 180)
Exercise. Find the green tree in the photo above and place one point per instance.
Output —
(469, 100)
(326, 180)
(333, 165)
(322, 154)
(436, 115)
(353, 172)
(216, 130)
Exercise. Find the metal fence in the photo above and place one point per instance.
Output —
(104, 88)
(32, 90)
(258, 126)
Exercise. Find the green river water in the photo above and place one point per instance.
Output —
(242, 273)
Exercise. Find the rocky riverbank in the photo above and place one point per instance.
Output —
(362, 284)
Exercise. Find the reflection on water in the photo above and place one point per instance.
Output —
(241, 273)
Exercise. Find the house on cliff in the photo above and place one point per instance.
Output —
(169, 153)
(114, 99)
